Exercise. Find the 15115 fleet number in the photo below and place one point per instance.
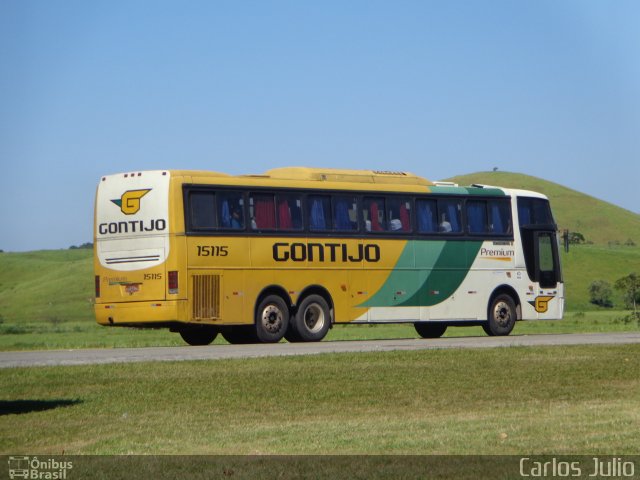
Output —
(213, 250)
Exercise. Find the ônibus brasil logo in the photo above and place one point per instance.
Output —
(129, 202)
(33, 468)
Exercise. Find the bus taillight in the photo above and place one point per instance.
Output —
(97, 286)
(173, 281)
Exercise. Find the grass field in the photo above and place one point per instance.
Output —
(560, 400)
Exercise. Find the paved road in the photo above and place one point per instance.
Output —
(218, 352)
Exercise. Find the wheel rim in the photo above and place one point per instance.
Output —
(314, 318)
(272, 319)
(502, 313)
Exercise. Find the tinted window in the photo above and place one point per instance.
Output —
(231, 210)
(202, 205)
(427, 216)
(545, 250)
(345, 213)
(534, 211)
(500, 216)
(319, 212)
(449, 216)
(399, 214)
(489, 216)
(477, 216)
(262, 211)
(374, 214)
(289, 212)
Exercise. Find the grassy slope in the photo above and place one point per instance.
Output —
(49, 286)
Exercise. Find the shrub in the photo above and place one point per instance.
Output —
(600, 293)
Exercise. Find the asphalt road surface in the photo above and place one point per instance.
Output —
(219, 352)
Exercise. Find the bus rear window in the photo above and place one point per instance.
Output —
(534, 211)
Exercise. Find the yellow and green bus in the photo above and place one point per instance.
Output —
(289, 253)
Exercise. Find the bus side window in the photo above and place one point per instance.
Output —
(427, 216)
(399, 214)
(262, 211)
(534, 211)
(374, 214)
(319, 212)
(202, 209)
(477, 216)
(231, 210)
(345, 216)
(500, 216)
(449, 216)
(289, 212)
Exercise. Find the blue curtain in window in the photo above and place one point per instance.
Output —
(496, 217)
(524, 213)
(342, 221)
(452, 212)
(425, 218)
(317, 216)
(476, 217)
(225, 215)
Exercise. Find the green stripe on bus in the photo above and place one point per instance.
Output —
(427, 273)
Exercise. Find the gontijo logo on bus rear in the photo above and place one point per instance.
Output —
(129, 202)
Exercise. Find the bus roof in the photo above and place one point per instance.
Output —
(344, 175)
(313, 178)
(335, 178)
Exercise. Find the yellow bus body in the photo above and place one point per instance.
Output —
(151, 271)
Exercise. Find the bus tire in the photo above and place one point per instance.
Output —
(199, 336)
(501, 316)
(312, 320)
(239, 335)
(272, 319)
(430, 329)
(291, 335)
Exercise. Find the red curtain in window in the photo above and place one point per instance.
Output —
(375, 220)
(284, 216)
(265, 214)
(404, 218)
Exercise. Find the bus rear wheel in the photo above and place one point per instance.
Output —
(501, 316)
(198, 336)
(430, 329)
(239, 334)
(272, 319)
(311, 321)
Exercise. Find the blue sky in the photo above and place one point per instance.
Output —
(438, 88)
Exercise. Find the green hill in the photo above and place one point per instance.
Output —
(600, 222)
(51, 286)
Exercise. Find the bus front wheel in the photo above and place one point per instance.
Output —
(501, 316)
(272, 319)
(311, 321)
(199, 336)
(430, 329)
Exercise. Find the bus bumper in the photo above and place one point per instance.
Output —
(141, 314)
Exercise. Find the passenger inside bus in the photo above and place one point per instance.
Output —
(445, 226)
